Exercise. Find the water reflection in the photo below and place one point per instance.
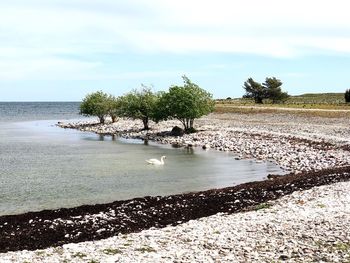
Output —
(189, 150)
(44, 167)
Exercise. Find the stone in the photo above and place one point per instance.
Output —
(177, 131)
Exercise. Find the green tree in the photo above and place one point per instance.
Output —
(113, 107)
(274, 91)
(139, 104)
(95, 104)
(254, 90)
(185, 103)
(347, 96)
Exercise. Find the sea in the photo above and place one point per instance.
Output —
(43, 166)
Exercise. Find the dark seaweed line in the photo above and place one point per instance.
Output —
(37, 230)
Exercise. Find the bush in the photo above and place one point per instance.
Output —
(347, 96)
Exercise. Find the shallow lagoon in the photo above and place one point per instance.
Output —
(45, 167)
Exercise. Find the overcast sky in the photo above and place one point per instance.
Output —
(59, 50)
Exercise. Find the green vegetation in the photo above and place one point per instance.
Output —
(269, 90)
(315, 112)
(145, 249)
(336, 247)
(95, 104)
(308, 100)
(318, 99)
(79, 255)
(347, 96)
(262, 206)
(112, 251)
(254, 90)
(128, 244)
(189, 102)
(330, 105)
(185, 103)
(140, 105)
(274, 91)
(113, 107)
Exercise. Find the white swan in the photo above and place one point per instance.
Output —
(156, 161)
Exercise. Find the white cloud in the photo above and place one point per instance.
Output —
(37, 36)
(46, 68)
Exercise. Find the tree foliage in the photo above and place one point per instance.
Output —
(139, 104)
(347, 96)
(274, 91)
(270, 89)
(95, 104)
(185, 103)
(113, 107)
(254, 90)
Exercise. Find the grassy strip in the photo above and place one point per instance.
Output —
(338, 106)
(225, 108)
(309, 100)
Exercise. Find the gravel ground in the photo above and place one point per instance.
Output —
(306, 226)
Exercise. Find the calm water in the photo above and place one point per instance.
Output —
(44, 167)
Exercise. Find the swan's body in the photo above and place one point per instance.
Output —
(156, 161)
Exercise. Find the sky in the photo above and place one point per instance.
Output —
(60, 50)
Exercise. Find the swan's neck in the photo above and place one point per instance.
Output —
(162, 159)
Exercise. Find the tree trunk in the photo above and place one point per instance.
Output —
(258, 100)
(187, 124)
(191, 123)
(183, 121)
(145, 123)
(102, 119)
(114, 118)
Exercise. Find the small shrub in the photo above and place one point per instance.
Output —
(146, 249)
(345, 247)
(112, 251)
(262, 206)
(79, 255)
(347, 96)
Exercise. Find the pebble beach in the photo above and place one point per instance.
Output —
(306, 226)
(302, 226)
